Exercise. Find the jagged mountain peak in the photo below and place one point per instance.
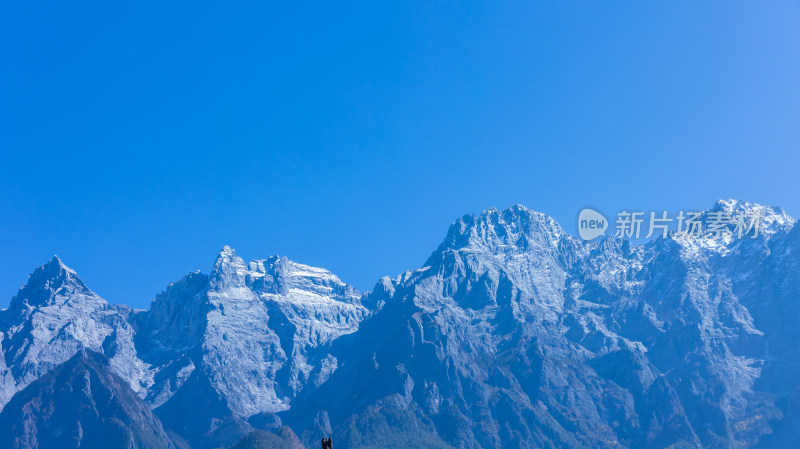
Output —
(289, 276)
(229, 270)
(48, 282)
(494, 236)
(276, 274)
(55, 260)
(773, 218)
(274, 314)
(51, 318)
(494, 229)
(54, 271)
(731, 225)
(484, 344)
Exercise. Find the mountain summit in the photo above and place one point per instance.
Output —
(513, 334)
(51, 284)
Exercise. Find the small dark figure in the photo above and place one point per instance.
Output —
(327, 444)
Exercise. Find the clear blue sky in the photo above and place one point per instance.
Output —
(138, 138)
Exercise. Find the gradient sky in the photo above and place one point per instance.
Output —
(138, 138)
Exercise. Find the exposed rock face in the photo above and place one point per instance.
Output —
(512, 335)
(245, 338)
(255, 330)
(83, 404)
(52, 317)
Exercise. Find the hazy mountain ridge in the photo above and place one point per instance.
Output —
(512, 334)
(81, 403)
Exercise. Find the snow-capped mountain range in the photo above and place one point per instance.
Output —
(513, 334)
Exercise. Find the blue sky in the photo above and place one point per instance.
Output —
(136, 139)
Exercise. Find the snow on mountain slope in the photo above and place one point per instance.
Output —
(246, 337)
(514, 334)
(256, 330)
(312, 308)
(51, 318)
(241, 353)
